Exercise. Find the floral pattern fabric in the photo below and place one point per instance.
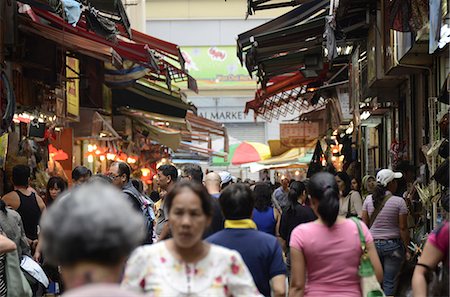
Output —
(153, 270)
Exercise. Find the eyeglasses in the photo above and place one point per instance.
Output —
(111, 175)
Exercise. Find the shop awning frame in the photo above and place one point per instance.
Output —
(72, 42)
(290, 18)
(132, 50)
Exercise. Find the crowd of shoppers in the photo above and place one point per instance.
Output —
(210, 235)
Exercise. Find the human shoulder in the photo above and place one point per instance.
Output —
(12, 199)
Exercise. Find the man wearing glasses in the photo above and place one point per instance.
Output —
(120, 173)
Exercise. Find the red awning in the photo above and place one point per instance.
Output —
(285, 95)
(137, 50)
(72, 41)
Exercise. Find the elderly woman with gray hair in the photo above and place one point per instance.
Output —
(89, 232)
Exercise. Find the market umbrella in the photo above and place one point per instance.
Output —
(244, 152)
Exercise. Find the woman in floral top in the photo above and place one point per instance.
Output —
(186, 265)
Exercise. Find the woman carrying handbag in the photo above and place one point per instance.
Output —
(328, 250)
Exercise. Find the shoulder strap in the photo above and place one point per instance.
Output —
(360, 232)
(349, 205)
(377, 211)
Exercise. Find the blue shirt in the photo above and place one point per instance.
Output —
(265, 220)
(260, 251)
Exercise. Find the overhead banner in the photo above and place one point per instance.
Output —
(72, 86)
(298, 134)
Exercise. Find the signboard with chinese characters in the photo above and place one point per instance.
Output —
(72, 87)
(298, 134)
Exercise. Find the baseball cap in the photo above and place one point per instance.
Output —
(385, 176)
(225, 177)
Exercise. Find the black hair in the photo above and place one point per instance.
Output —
(347, 181)
(296, 189)
(358, 181)
(57, 181)
(3, 207)
(21, 175)
(123, 168)
(263, 196)
(237, 202)
(378, 195)
(194, 171)
(137, 183)
(198, 190)
(169, 170)
(80, 172)
(324, 189)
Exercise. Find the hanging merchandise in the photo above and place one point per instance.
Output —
(100, 24)
(399, 14)
(419, 14)
(316, 161)
(329, 35)
(442, 174)
(435, 25)
(37, 129)
(72, 11)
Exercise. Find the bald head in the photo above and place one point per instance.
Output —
(212, 183)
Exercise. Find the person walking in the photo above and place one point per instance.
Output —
(295, 214)
(90, 233)
(265, 215)
(260, 251)
(167, 177)
(80, 175)
(212, 183)
(26, 202)
(328, 250)
(368, 185)
(350, 202)
(185, 265)
(194, 173)
(435, 251)
(120, 173)
(6, 246)
(55, 186)
(12, 227)
(386, 216)
(281, 193)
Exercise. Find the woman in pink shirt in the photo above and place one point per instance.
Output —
(325, 254)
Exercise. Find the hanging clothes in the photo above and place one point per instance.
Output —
(435, 25)
(419, 14)
(399, 12)
(72, 11)
(329, 35)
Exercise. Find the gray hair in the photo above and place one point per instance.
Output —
(93, 222)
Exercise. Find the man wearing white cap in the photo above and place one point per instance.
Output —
(386, 216)
(226, 178)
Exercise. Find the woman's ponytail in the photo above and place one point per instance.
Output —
(329, 206)
(378, 195)
(323, 188)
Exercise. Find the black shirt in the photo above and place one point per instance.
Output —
(291, 218)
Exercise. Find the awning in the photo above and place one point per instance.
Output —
(145, 98)
(293, 156)
(290, 18)
(132, 50)
(254, 5)
(157, 119)
(286, 96)
(71, 41)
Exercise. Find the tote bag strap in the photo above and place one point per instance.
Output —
(362, 238)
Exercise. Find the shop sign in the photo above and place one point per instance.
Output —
(72, 86)
(298, 134)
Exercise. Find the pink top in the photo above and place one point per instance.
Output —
(332, 257)
(439, 239)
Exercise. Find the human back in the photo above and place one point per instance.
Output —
(328, 250)
(338, 246)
